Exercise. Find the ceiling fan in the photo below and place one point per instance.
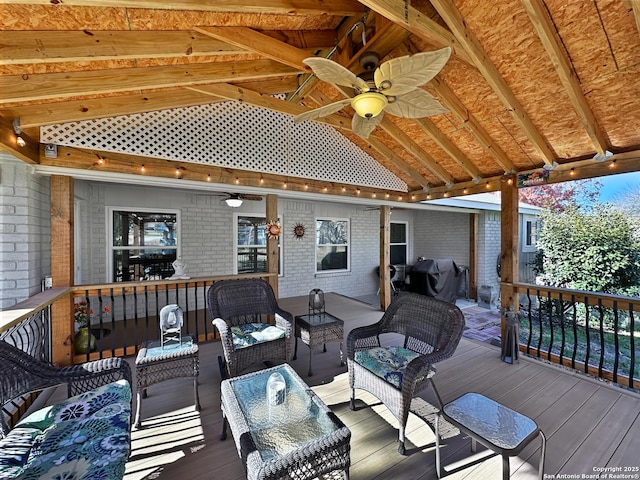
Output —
(234, 200)
(392, 87)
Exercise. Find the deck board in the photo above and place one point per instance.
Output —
(588, 423)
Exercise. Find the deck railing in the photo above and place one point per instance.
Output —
(598, 334)
(126, 314)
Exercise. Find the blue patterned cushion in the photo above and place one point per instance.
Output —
(253, 333)
(388, 363)
(82, 438)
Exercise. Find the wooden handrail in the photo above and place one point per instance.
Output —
(23, 310)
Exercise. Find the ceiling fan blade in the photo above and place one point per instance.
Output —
(321, 111)
(332, 72)
(415, 104)
(399, 76)
(364, 126)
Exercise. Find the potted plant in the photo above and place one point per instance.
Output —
(84, 341)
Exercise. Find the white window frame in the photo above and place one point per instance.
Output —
(406, 240)
(235, 240)
(528, 242)
(109, 232)
(345, 245)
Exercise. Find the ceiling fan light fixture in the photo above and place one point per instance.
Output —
(369, 104)
(233, 202)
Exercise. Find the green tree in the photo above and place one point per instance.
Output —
(596, 251)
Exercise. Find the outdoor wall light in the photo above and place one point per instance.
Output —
(18, 131)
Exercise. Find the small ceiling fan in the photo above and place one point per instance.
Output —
(234, 200)
(392, 87)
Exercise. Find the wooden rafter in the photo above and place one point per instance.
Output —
(414, 149)
(448, 146)
(24, 47)
(73, 111)
(553, 45)
(453, 103)
(291, 7)
(18, 88)
(415, 22)
(248, 39)
(452, 17)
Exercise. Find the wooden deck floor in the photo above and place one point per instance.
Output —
(588, 424)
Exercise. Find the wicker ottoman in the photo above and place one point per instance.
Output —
(155, 364)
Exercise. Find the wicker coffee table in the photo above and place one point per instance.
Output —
(155, 364)
(298, 439)
(318, 329)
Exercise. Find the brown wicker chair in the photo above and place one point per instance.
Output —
(234, 303)
(431, 328)
(20, 373)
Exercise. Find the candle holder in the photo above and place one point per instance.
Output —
(316, 302)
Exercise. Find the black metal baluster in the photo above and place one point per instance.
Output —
(550, 318)
(529, 317)
(575, 331)
(632, 346)
(602, 347)
(588, 335)
(616, 341)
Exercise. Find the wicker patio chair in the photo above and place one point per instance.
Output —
(431, 330)
(239, 310)
(20, 373)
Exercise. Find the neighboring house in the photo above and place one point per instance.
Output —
(214, 239)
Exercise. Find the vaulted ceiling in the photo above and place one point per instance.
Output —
(530, 84)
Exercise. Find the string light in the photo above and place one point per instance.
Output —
(358, 191)
(142, 168)
(284, 185)
(237, 181)
(373, 195)
(261, 180)
(572, 172)
(208, 177)
(324, 189)
(306, 186)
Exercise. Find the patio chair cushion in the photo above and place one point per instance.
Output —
(249, 334)
(388, 363)
(86, 436)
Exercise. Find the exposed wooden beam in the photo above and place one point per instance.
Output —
(19, 88)
(22, 47)
(549, 37)
(289, 7)
(452, 17)
(415, 22)
(414, 149)
(247, 39)
(102, 162)
(471, 123)
(448, 146)
(37, 115)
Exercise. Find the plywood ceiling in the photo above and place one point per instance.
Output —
(531, 83)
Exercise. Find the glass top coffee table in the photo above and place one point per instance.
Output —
(301, 438)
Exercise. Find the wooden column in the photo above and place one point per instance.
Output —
(62, 248)
(272, 243)
(385, 257)
(509, 247)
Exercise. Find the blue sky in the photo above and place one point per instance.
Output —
(615, 185)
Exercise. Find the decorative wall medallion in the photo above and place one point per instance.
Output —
(273, 229)
(298, 231)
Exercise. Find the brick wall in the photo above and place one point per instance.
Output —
(25, 227)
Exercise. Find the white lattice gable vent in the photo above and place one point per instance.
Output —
(231, 135)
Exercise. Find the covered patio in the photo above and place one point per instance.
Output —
(589, 424)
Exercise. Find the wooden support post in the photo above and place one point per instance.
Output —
(509, 248)
(385, 257)
(62, 250)
(273, 259)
